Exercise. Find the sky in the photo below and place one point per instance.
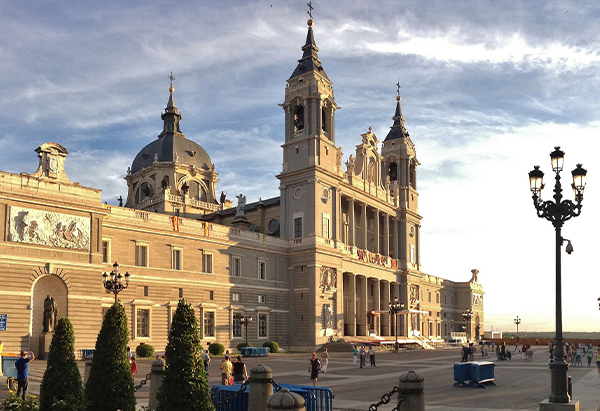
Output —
(489, 88)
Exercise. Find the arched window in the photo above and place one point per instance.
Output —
(393, 172)
(413, 175)
(323, 119)
(299, 119)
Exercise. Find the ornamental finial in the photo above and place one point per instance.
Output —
(171, 78)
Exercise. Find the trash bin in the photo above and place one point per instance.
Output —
(8, 367)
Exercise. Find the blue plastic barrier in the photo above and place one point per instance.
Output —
(255, 351)
(8, 366)
(85, 353)
(317, 398)
(474, 374)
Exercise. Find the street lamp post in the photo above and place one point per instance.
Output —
(517, 321)
(115, 283)
(557, 212)
(467, 315)
(395, 308)
(245, 320)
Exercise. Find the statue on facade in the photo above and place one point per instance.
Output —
(223, 197)
(338, 159)
(120, 200)
(327, 323)
(387, 183)
(165, 182)
(239, 210)
(474, 276)
(50, 314)
(350, 164)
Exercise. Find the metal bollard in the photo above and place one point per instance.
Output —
(87, 368)
(285, 400)
(260, 387)
(413, 386)
(157, 372)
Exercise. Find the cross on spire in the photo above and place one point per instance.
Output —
(398, 86)
(310, 9)
(171, 78)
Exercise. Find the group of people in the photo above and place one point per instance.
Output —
(132, 362)
(574, 354)
(360, 356)
(231, 372)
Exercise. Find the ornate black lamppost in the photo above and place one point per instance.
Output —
(245, 320)
(467, 315)
(115, 284)
(557, 212)
(517, 321)
(395, 308)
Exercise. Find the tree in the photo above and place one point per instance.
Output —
(110, 384)
(61, 386)
(184, 386)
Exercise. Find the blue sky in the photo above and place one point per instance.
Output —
(488, 89)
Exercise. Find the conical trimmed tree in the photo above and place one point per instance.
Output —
(110, 384)
(184, 386)
(61, 386)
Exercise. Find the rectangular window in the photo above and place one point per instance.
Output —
(262, 270)
(143, 322)
(298, 227)
(176, 259)
(141, 255)
(207, 263)
(262, 325)
(412, 253)
(211, 295)
(209, 324)
(235, 297)
(105, 252)
(181, 293)
(325, 226)
(237, 325)
(145, 291)
(437, 298)
(262, 299)
(237, 266)
(429, 295)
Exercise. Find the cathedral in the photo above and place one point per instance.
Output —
(321, 262)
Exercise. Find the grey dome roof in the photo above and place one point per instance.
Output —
(166, 147)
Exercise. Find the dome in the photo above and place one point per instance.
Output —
(168, 148)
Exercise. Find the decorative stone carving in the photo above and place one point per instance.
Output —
(239, 210)
(350, 164)
(328, 278)
(31, 226)
(475, 273)
(327, 316)
(50, 314)
(338, 159)
(414, 295)
(478, 300)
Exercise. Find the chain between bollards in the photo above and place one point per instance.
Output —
(143, 382)
(386, 398)
(227, 400)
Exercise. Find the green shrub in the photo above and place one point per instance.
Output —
(184, 386)
(144, 350)
(14, 403)
(216, 348)
(110, 386)
(273, 346)
(242, 345)
(61, 387)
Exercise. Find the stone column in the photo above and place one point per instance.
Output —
(285, 400)
(351, 223)
(157, 372)
(88, 367)
(386, 235)
(386, 317)
(376, 232)
(352, 305)
(363, 218)
(376, 306)
(260, 387)
(413, 386)
(362, 308)
(396, 237)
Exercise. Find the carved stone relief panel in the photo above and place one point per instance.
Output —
(31, 226)
(328, 278)
(477, 300)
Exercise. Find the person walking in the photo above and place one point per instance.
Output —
(324, 360)
(206, 361)
(497, 353)
(589, 354)
(22, 366)
(226, 368)
(240, 374)
(355, 359)
(372, 356)
(597, 359)
(133, 367)
(314, 368)
(363, 356)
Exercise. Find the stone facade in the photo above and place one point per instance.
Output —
(323, 260)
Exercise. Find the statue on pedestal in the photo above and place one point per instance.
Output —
(50, 314)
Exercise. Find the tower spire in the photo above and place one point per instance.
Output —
(398, 130)
(171, 117)
(310, 60)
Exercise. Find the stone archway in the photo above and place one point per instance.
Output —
(45, 285)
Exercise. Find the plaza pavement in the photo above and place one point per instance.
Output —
(520, 385)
